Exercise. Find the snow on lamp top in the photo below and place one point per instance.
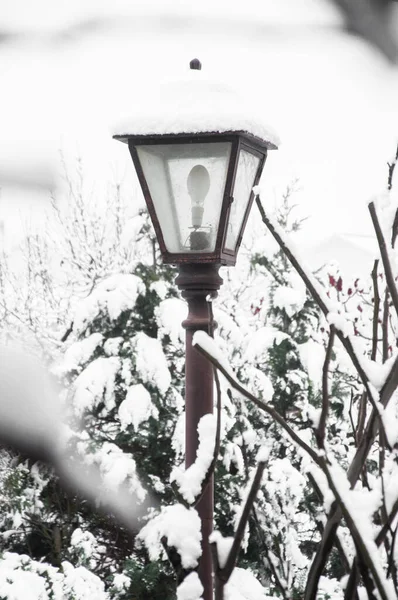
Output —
(195, 104)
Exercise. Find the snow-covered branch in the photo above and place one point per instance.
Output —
(206, 346)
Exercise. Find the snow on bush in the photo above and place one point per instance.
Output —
(151, 363)
(169, 315)
(137, 407)
(182, 529)
(116, 467)
(191, 588)
(244, 586)
(22, 578)
(95, 385)
(291, 297)
(111, 297)
(79, 354)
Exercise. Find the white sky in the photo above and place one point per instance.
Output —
(332, 99)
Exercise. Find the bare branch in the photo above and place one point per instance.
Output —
(386, 313)
(387, 526)
(384, 256)
(364, 551)
(391, 169)
(363, 403)
(376, 309)
(321, 430)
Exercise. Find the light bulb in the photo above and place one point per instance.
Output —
(198, 184)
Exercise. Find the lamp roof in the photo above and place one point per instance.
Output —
(194, 104)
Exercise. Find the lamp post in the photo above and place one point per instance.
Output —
(197, 165)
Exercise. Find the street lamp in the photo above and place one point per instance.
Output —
(197, 155)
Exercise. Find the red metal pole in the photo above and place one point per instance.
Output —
(197, 281)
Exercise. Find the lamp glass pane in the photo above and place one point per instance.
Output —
(187, 183)
(245, 176)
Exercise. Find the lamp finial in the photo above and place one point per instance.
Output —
(195, 64)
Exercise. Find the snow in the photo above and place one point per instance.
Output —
(191, 588)
(137, 407)
(182, 528)
(263, 454)
(84, 540)
(261, 340)
(389, 416)
(203, 340)
(17, 584)
(116, 468)
(190, 481)
(178, 439)
(377, 373)
(224, 545)
(79, 353)
(108, 478)
(194, 104)
(340, 322)
(112, 346)
(151, 362)
(81, 583)
(312, 357)
(160, 288)
(121, 582)
(291, 298)
(96, 384)
(169, 315)
(261, 382)
(314, 415)
(111, 296)
(243, 585)
(22, 578)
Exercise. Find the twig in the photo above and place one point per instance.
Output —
(391, 168)
(376, 308)
(363, 550)
(273, 569)
(387, 526)
(384, 256)
(320, 431)
(225, 573)
(391, 561)
(386, 313)
(175, 561)
(363, 403)
(353, 580)
(339, 545)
